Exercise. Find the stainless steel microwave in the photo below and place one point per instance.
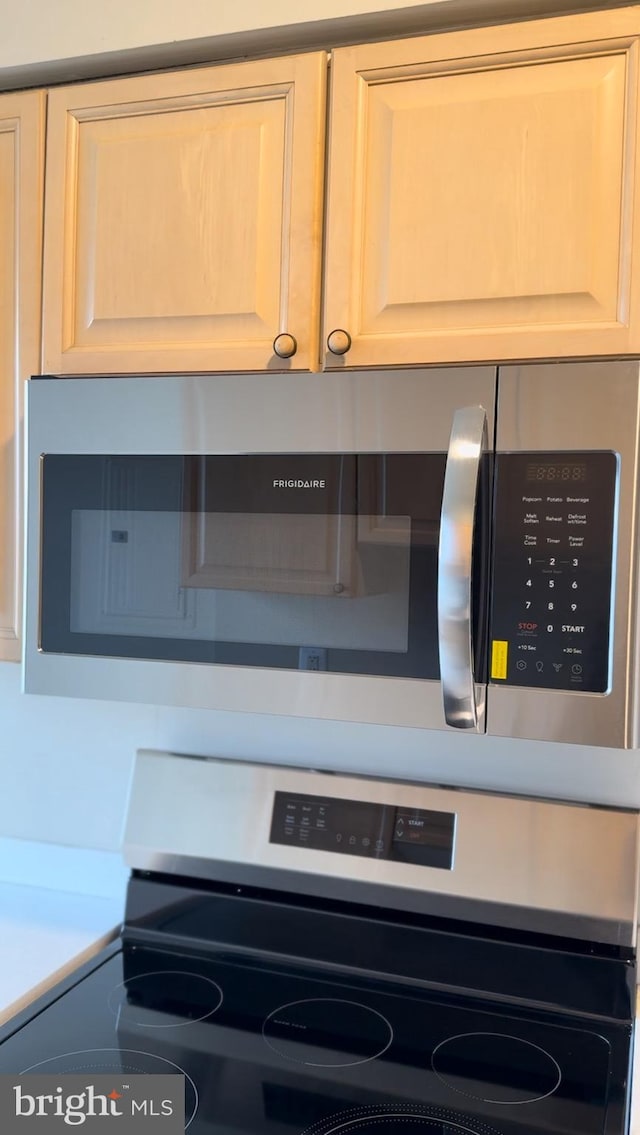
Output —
(437, 548)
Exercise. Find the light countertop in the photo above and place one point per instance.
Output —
(45, 934)
(58, 906)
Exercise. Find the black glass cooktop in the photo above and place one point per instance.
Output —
(272, 1049)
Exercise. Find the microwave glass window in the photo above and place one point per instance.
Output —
(328, 582)
(294, 561)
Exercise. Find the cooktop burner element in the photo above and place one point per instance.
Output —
(406, 1120)
(473, 1064)
(120, 1060)
(327, 1032)
(147, 999)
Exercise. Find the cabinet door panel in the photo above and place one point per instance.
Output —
(487, 211)
(21, 170)
(183, 220)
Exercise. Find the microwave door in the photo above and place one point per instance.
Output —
(262, 544)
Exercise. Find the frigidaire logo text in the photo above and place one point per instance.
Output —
(74, 1109)
(293, 484)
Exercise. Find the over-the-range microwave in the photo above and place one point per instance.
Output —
(436, 548)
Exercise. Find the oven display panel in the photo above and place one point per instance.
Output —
(355, 827)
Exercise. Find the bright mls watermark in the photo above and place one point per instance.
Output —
(114, 1105)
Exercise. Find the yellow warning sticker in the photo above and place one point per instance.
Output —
(499, 654)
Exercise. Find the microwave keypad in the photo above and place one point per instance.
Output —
(553, 559)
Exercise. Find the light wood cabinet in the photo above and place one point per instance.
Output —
(21, 186)
(183, 220)
(482, 198)
(483, 204)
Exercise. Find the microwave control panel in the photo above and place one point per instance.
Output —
(553, 570)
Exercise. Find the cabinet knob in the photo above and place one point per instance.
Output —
(285, 346)
(338, 341)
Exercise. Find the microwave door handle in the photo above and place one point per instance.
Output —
(455, 552)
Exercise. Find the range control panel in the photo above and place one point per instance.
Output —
(553, 567)
(356, 827)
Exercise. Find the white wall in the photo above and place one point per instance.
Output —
(45, 42)
(41, 30)
(65, 763)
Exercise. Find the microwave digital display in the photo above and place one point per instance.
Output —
(557, 472)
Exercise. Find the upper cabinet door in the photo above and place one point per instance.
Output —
(183, 220)
(482, 200)
(21, 187)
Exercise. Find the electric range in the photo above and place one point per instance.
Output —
(319, 954)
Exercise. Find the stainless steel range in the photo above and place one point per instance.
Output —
(318, 954)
